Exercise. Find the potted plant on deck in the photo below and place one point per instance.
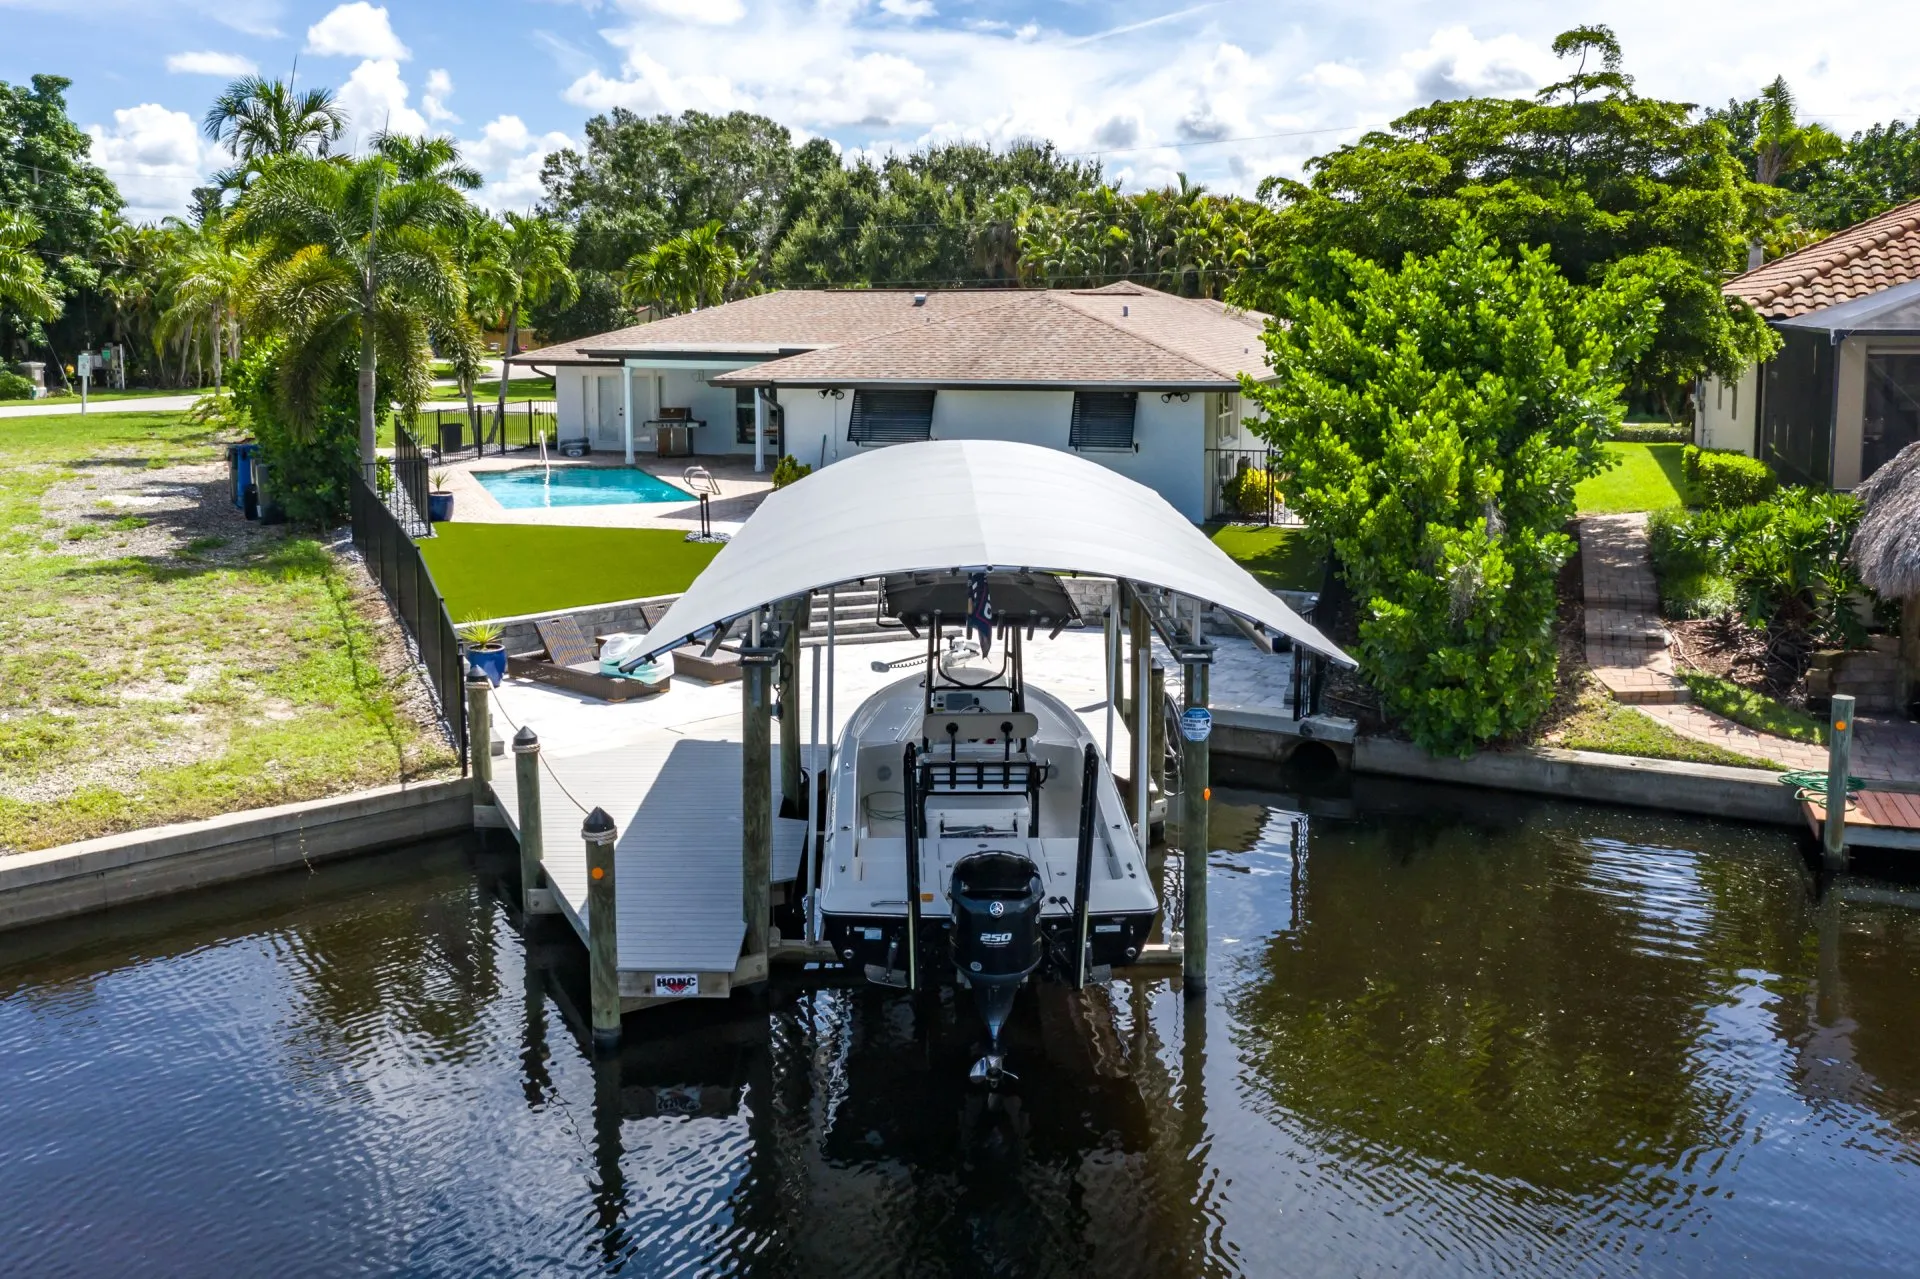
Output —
(484, 649)
(439, 500)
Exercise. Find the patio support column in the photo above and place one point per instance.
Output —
(1140, 645)
(759, 429)
(756, 796)
(626, 409)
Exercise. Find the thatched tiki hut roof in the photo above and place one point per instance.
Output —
(1886, 549)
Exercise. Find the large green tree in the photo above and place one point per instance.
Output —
(523, 264)
(260, 120)
(1607, 182)
(46, 175)
(356, 267)
(1434, 421)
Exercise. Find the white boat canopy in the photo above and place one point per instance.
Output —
(970, 505)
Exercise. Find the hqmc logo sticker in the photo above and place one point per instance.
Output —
(675, 985)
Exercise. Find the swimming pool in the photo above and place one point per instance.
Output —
(531, 486)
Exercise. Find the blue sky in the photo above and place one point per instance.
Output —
(1227, 92)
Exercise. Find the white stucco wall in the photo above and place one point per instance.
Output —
(1726, 415)
(1169, 455)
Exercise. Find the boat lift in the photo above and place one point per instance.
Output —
(714, 810)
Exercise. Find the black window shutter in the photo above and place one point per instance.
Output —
(891, 417)
(1103, 420)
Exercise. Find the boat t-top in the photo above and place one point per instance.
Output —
(974, 834)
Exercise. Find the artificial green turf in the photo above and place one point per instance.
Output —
(1644, 477)
(505, 570)
(1281, 558)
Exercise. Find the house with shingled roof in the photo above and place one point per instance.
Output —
(1141, 381)
(1842, 396)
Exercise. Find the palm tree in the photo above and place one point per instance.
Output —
(23, 276)
(1782, 144)
(352, 260)
(256, 118)
(526, 265)
(694, 269)
(428, 160)
(206, 279)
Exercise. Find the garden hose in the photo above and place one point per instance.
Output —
(1808, 784)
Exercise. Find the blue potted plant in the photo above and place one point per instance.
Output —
(439, 500)
(484, 649)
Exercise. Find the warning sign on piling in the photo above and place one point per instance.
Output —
(1196, 723)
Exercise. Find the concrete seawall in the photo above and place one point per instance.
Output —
(1697, 790)
(116, 869)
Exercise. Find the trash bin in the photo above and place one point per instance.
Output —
(449, 437)
(243, 474)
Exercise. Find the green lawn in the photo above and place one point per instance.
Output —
(1644, 477)
(505, 570)
(518, 389)
(1598, 723)
(1754, 710)
(160, 664)
(1282, 558)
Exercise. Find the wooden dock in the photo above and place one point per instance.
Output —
(1874, 819)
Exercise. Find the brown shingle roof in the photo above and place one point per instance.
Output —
(1861, 260)
(790, 319)
(1123, 334)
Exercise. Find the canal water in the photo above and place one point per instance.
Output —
(1448, 1036)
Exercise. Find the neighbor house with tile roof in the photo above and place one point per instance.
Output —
(1843, 393)
(1139, 380)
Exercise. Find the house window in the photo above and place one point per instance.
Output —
(1103, 420)
(891, 417)
(1226, 416)
(743, 417)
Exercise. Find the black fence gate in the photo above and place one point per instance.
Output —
(396, 564)
(1245, 486)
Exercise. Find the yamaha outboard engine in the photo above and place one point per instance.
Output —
(996, 900)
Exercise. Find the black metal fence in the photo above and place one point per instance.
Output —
(407, 499)
(450, 429)
(396, 564)
(1246, 485)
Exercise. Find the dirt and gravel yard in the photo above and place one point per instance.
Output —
(164, 659)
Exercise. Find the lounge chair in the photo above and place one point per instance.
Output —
(572, 662)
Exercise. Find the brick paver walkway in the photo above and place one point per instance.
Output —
(1627, 649)
(1626, 644)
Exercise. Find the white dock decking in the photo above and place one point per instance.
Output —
(667, 770)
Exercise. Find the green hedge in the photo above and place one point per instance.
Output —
(1722, 480)
(15, 387)
(1652, 433)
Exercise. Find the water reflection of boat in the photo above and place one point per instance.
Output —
(974, 833)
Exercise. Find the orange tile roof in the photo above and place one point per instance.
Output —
(1861, 260)
(1124, 334)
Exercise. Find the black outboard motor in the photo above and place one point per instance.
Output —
(996, 938)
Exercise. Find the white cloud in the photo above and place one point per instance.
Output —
(434, 100)
(155, 156)
(1335, 75)
(510, 155)
(209, 62)
(909, 8)
(1457, 65)
(356, 30)
(375, 98)
(711, 13)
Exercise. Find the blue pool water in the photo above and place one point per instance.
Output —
(531, 486)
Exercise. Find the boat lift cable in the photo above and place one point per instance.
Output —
(584, 810)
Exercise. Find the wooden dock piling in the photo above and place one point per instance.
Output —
(526, 765)
(603, 948)
(1195, 792)
(792, 797)
(756, 798)
(479, 736)
(1839, 755)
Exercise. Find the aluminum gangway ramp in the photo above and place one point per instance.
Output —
(676, 803)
